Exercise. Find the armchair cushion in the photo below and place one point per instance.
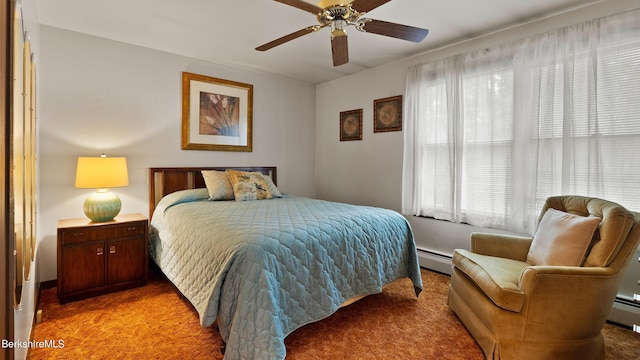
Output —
(497, 277)
(562, 239)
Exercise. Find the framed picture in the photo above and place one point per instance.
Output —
(351, 125)
(216, 114)
(387, 114)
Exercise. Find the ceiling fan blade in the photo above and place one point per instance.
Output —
(399, 31)
(302, 5)
(367, 5)
(286, 38)
(340, 50)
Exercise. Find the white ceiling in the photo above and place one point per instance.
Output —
(228, 31)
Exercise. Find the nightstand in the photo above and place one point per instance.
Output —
(96, 258)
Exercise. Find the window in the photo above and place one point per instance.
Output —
(491, 134)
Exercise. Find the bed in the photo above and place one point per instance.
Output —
(263, 268)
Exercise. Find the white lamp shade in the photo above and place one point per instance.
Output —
(101, 172)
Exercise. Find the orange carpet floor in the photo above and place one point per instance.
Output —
(154, 322)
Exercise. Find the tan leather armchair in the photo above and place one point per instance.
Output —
(517, 310)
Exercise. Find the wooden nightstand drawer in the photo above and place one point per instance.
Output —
(131, 229)
(78, 235)
(84, 234)
(102, 232)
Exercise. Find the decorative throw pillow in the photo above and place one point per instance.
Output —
(562, 239)
(272, 187)
(218, 185)
(248, 185)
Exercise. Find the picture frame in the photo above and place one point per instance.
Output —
(387, 114)
(217, 114)
(351, 125)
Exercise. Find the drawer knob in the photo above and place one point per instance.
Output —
(99, 251)
(112, 249)
(131, 228)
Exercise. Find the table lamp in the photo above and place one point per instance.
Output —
(101, 173)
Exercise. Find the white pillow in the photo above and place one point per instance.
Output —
(272, 187)
(218, 185)
(562, 239)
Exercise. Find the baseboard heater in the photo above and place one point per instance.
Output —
(626, 311)
(434, 260)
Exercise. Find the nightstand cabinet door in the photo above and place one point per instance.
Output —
(126, 260)
(82, 267)
(98, 258)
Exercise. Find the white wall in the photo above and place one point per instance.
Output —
(98, 95)
(370, 171)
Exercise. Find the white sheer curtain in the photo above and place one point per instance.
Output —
(489, 135)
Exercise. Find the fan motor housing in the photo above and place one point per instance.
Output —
(329, 3)
(339, 12)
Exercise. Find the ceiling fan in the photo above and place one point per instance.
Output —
(338, 14)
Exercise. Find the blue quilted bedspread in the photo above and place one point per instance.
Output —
(265, 268)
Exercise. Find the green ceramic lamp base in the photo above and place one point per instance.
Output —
(102, 205)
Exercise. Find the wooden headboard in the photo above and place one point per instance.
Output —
(163, 181)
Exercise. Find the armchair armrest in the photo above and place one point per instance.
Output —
(504, 246)
(584, 294)
(537, 276)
